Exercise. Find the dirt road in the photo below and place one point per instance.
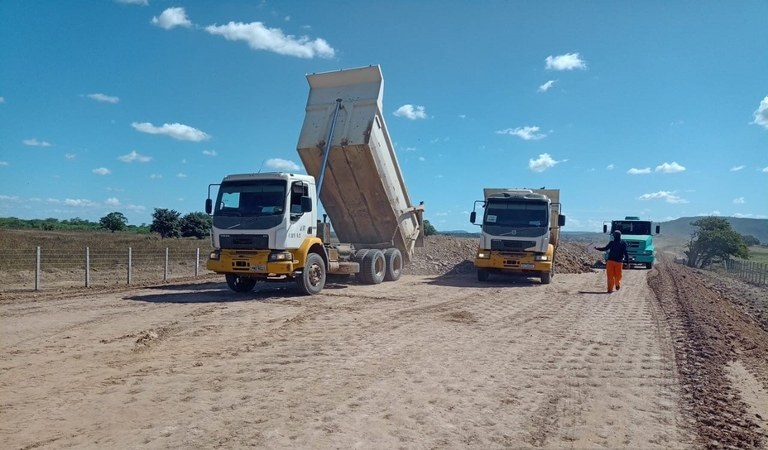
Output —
(425, 362)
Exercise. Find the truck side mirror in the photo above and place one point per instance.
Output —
(306, 204)
(658, 229)
(560, 220)
(605, 228)
(208, 206)
(472, 217)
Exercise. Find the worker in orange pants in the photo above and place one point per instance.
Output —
(617, 257)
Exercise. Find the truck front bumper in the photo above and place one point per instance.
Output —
(512, 263)
(253, 263)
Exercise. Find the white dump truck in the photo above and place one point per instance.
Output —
(520, 232)
(266, 227)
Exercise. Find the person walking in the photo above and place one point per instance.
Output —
(617, 257)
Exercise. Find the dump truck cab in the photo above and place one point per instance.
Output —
(638, 234)
(520, 232)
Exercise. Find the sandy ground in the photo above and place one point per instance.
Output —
(426, 362)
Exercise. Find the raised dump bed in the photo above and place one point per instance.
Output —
(362, 189)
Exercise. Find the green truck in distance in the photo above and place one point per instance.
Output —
(639, 238)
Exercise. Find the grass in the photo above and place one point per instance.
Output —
(18, 247)
(758, 254)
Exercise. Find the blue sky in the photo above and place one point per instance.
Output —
(653, 108)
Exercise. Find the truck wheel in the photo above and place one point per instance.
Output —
(546, 277)
(373, 268)
(312, 278)
(649, 266)
(394, 264)
(482, 275)
(240, 284)
(358, 258)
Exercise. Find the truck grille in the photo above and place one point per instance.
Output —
(498, 244)
(244, 241)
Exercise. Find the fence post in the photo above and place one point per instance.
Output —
(165, 273)
(197, 262)
(87, 267)
(37, 270)
(130, 262)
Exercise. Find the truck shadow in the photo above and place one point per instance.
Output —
(470, 280)
(218, 292)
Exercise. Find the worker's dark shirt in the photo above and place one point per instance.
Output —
(617, 251)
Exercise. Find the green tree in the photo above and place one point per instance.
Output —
(713, 241)
(429, 230)
(114, 221)
(166, 222)
(750, 240)
(196, 224)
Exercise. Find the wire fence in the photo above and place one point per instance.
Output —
(749, 271)
(39, 268)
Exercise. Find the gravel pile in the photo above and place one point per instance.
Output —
(448, 254)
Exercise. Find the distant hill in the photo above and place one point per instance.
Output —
(682, 228)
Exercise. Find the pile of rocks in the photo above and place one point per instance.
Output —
(449, 254)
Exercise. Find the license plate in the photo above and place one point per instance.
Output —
(528, 266)
(259, 267)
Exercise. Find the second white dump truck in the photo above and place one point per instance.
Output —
(520, 232)
(266, 227)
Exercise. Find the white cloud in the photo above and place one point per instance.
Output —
(210, 153)
(739, 201)
(259, 37)
(172, 17)
(79, 202)
(101, 171)
(2, 99)
(737, 168)
(542, 163)
(133, 2)
(761, 114)
(133, 156)
(422, 159)
(181, 175)
(634, 171)
(112, 201)
(174, 130)
(669, 197)
(546, 86)
(3, 163)
(527, 133)
(765, 169)
(103, 98)
(69, 155)
(35, 143)
(135, 208)
(282, 164)
(672, 167)
(569, 61)
(411, 112)
(610, 167)
(155, 176)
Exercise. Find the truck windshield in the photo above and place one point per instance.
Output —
(251, 198)
(504, 214)
(631, 227)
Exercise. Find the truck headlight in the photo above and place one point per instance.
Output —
(483, 254)
(280, 256)
(541, 258)
(215, 255)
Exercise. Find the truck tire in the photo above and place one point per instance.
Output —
(482, 275)
(373, 267)
(546, 277)
(240, 284)
(312, 278)
(394, 263)
(649, 266)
